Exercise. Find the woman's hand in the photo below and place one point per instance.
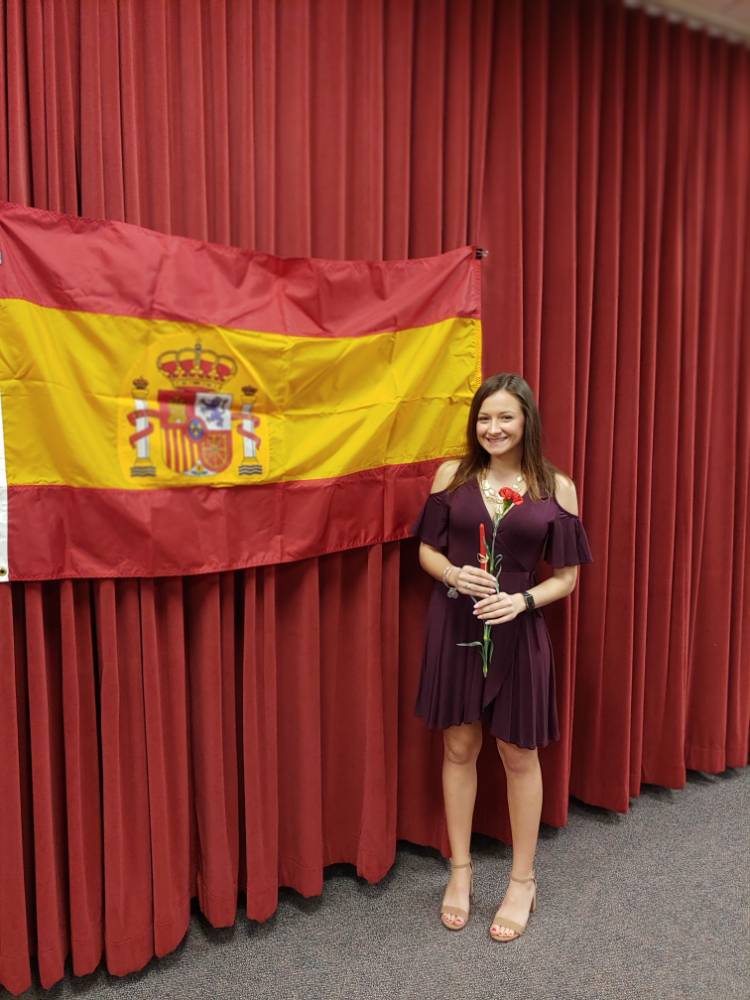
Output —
(473, 581)
(499, 608)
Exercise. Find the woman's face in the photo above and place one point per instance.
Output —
(500, 423)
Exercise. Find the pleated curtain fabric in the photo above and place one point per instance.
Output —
(166, 738)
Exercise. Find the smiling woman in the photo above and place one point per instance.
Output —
(503, 489)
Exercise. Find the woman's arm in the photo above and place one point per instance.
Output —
(506, 607)
(466, 579)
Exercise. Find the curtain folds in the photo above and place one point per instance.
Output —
(209, 736)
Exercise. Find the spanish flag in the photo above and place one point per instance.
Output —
(169, 406)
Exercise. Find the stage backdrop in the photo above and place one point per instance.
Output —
(161, 737)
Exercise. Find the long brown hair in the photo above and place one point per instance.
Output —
(538, 472)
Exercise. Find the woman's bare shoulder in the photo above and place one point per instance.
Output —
(565, 493)
(444, 475)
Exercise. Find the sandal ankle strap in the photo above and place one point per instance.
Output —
(532, 878)
(456, 867)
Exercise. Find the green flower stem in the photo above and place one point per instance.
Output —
(487, 643)
(486, 646)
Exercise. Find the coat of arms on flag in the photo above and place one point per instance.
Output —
(195, 417)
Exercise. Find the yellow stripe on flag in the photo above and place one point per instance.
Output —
(234, 406)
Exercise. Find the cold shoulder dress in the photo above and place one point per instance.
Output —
(517, 698)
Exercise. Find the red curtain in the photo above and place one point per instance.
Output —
(203, 736)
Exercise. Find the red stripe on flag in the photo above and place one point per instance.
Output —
(62, 531)
(67, 263)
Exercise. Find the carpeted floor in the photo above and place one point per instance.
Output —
(654, 904)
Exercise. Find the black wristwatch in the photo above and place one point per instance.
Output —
(530, 606)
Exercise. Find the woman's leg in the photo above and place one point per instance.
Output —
(524, 779)
(461, 745)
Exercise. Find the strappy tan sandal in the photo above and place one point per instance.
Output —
(505, 922)
(456, 911)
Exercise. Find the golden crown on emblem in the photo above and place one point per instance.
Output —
(197, 367)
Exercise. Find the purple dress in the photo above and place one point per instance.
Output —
(517, 698)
